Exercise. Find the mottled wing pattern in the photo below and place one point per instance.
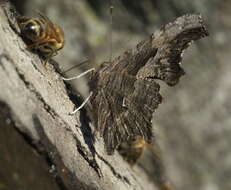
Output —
(126, 92)
(124, 107)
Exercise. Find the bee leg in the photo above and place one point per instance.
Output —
(44, 62)
(32, 46)
(49, 55)
(47, 59)
(54, 53)
(36, 46)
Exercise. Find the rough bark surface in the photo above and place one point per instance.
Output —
(35, 104)
(193, 122)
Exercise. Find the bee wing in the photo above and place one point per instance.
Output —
(57, 32)
(45, 17)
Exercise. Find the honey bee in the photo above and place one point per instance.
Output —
(133, 149)
(41, 35)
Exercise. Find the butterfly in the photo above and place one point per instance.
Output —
(126, 92)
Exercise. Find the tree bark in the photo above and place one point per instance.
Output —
(38, 136)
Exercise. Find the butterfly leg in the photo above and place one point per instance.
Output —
(76, 77)
(83, 104)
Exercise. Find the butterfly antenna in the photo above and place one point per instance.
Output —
(110, 30)
(81, 63)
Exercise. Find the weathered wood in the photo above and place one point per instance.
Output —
(37, 106)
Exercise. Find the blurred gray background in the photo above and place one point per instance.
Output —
(193, 124)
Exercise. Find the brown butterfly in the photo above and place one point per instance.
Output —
(126, 93)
